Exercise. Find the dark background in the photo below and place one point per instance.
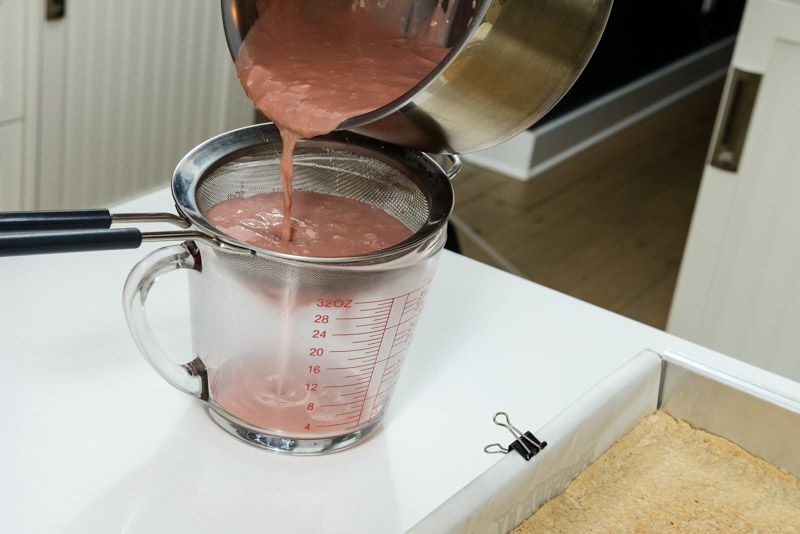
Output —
(643, 36)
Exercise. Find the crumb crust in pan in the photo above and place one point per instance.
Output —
(665, 476)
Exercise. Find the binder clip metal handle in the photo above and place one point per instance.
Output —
(525, 443)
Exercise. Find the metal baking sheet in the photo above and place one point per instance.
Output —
(763, 421)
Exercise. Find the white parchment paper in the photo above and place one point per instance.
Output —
(511, 490)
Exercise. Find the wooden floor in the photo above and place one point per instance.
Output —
(607, 226)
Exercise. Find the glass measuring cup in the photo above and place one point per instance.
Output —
(297, 354)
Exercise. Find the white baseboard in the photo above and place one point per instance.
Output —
(540, 148)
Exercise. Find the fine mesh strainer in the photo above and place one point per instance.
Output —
(407, 184)
(317, 168)
(294, 354)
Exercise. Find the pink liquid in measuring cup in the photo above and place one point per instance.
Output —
(265, 389)
(270, 398)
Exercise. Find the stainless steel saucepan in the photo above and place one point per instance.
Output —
(510, 62)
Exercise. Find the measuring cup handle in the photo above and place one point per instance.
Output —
(190, 377)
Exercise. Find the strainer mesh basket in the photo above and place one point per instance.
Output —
(332, 171)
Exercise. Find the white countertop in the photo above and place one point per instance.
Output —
(94, 440)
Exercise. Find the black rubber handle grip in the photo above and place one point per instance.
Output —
(26, 243)
(32, 221)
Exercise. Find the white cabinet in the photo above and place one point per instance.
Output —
(10, 166)
(101, 104)
(11, 59)
(12, 50)
(127, 88)
(739, 285)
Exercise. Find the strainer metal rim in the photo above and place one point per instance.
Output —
(415, 165)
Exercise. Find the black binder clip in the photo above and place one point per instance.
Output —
(525, 444)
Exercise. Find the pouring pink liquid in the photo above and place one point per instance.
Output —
(309, 66)
(324, 225)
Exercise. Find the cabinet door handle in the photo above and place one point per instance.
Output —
(736, 111)
(55, 9)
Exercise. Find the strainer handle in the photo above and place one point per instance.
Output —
(37, 221)
(27, 243)
(455, 165)
(190, 377)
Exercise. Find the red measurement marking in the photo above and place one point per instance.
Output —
(371, 339)
(398, 362)
(353, 393)
(347, 413)
(351, 367)
(354, 334)
(371, 354)
(374, 301)
(342, 404)
(379, 308)
(376, 395)
(380, 343)
(390, 368)
(356, 318)
(401, 348)
(335, 424)
(391, 376)
(366, 357)
(393, 298)
(388, 378)
(334, 303)
(401, 322)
